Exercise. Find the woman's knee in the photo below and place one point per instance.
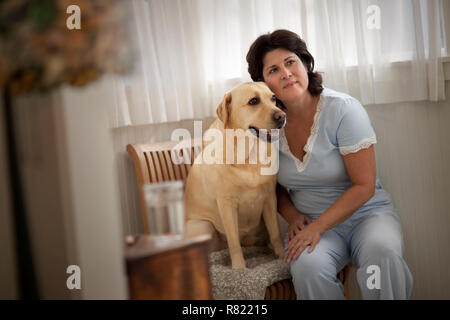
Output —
(378, 251)
(310, 265)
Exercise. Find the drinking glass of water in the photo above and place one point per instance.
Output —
(165, 211)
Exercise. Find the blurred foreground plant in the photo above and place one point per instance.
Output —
(38, 51)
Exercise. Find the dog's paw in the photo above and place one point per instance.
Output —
(279, 251)
(238, 263)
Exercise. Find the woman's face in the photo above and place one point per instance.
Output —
(285, 74)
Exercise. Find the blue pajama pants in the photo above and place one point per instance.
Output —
(373, 242)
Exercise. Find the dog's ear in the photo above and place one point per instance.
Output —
(223, 110)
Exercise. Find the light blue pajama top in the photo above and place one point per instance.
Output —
(341, 126)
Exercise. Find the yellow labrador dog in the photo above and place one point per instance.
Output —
(230, 200)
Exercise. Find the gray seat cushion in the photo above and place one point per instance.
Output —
(263, 269)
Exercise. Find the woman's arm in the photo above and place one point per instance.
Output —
(361, 169)
(285, 206)
(296, 220)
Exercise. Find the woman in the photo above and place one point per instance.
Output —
(328, 191)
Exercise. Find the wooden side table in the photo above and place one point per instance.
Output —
(178, 271)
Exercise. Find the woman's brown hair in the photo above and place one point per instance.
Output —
(288, 40)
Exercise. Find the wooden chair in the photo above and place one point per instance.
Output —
(153, 164)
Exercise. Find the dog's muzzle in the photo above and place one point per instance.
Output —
(267, 135)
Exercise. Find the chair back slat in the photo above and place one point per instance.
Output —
(169, 165)
(177, 171)
(184, 171)
(149, 167)
(162, 163)
(156, 161)
(153, 164)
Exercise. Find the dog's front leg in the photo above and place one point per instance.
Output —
(229, 214)
(271, 222)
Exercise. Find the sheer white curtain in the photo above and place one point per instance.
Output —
(190, 52)
(398, 60)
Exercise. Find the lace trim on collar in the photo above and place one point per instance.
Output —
(301, 165)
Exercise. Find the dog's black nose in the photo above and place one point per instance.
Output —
(279, 117)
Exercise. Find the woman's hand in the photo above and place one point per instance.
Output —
(308, 236)
(297, 225)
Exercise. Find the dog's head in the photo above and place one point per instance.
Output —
(251, 106)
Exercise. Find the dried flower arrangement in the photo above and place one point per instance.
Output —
(38, 51)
